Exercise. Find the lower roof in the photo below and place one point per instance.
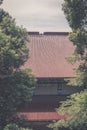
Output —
(42, 116)
(41, 112)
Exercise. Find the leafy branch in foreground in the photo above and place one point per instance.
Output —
(76, 107)
(16, 84)
(15, 127)
(76, 15)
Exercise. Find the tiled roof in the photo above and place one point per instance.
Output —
(41, 112)
(47, 55)
(42, 116)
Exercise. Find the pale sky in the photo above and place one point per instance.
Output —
(38, 15)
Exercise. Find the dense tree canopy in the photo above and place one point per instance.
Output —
(13, 44)
(15, 127)
(16, 84)
(76, 107)
(76, 14)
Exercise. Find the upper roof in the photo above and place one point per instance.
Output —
(47, 55)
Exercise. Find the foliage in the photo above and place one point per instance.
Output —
(14, 127)
(13, 44)
(16, 84)
(15, 90)
(76, 107)
(76, 14)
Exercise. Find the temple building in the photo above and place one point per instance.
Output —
(47, 60)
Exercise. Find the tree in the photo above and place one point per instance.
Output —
(76, 14)
(15, 127)
(16, 84)
(76, 106)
